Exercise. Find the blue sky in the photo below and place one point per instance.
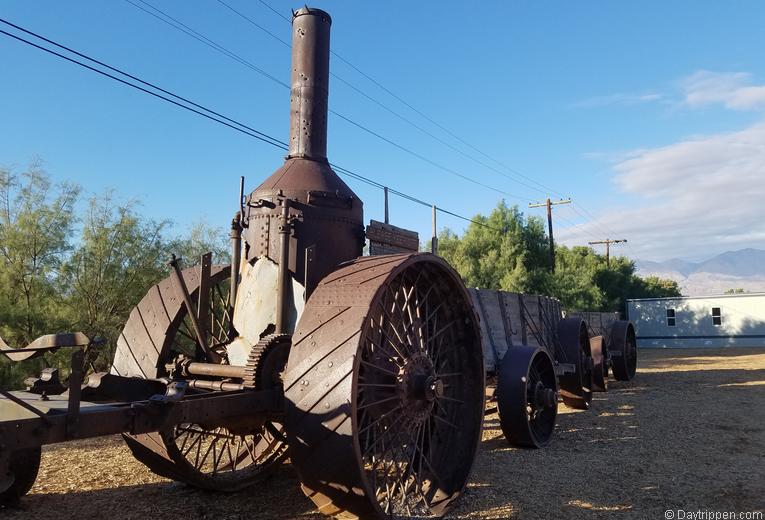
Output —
(650, 115)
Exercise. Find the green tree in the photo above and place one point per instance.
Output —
(36, 222)
(201, 238)
(502, 251)
(510, 252)
(654, 287)
(119, 256)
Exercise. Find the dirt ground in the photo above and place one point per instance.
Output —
(688, 433)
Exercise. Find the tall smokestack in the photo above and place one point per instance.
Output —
(310, 84)
(325, 225)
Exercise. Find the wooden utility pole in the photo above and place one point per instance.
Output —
(549, 204)
(608, 243)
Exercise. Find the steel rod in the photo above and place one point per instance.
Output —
(213, 369)
(201, 340)
(285, 229)
(236, 254)
(203, 384)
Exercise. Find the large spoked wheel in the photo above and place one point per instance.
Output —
(576, 381)
(527, 396)
(218, 457)
(385, 389)
(599, 364)
(622, 349)
(19, 477)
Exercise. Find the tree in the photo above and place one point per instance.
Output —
(36, 222)
(502, 251)
(200, 239)
(654, 287)
(119, 256)
(510, 252)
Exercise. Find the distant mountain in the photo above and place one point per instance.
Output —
(674, 265)
(746, 262)
(734, 269)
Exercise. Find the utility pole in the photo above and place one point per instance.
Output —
(608, 243)
(549, 204)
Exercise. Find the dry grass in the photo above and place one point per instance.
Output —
(688, 433)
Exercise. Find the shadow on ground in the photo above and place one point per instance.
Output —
(688, 433)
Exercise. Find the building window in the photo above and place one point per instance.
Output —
(670, 317)
(716, 316)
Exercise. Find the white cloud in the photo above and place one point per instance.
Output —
(734, 90)
(696, 197)
(618, 99)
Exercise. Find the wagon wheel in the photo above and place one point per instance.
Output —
(622, 349)
(576, 381)
(527, 396)
(384, 389)
(19, 475)
(210, 456)
(599, 364)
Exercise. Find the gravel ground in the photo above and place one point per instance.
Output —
(687, 434)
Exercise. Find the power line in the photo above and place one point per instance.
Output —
(242, 130)
(608, 243)
(383, 105)
(199, 110)
(178, 25)
(544, 189)
(275, 11)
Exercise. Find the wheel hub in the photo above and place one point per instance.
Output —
(419, 386)
(544, 397)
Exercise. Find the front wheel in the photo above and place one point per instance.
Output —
(385, 389)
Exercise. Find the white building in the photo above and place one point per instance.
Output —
(731, 320)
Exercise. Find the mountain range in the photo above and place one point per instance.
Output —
(742, 269)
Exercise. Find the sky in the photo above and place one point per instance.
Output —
(649, 115)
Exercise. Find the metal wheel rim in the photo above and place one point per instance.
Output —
(527, 396)
(322, 386)
(541, 421)
(210, 456)
(222, 458)
(411, 485)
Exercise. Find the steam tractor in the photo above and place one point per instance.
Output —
(368, 368)
(367, 371)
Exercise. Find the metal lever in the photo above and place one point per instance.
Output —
(211, 356)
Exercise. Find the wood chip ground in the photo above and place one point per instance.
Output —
(688, 433)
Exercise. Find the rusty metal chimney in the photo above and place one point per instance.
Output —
(324, 218)
(310, 84)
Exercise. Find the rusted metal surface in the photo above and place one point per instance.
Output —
(43, 345)
(386, 239)
(622, 350)
(97, 419)
(328, 215)
(384, 389)
(148, 337)
(310, 84)
(164, 451)
(575, 385)
(527, 396)
(193, 314)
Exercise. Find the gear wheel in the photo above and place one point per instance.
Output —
(267, 361)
